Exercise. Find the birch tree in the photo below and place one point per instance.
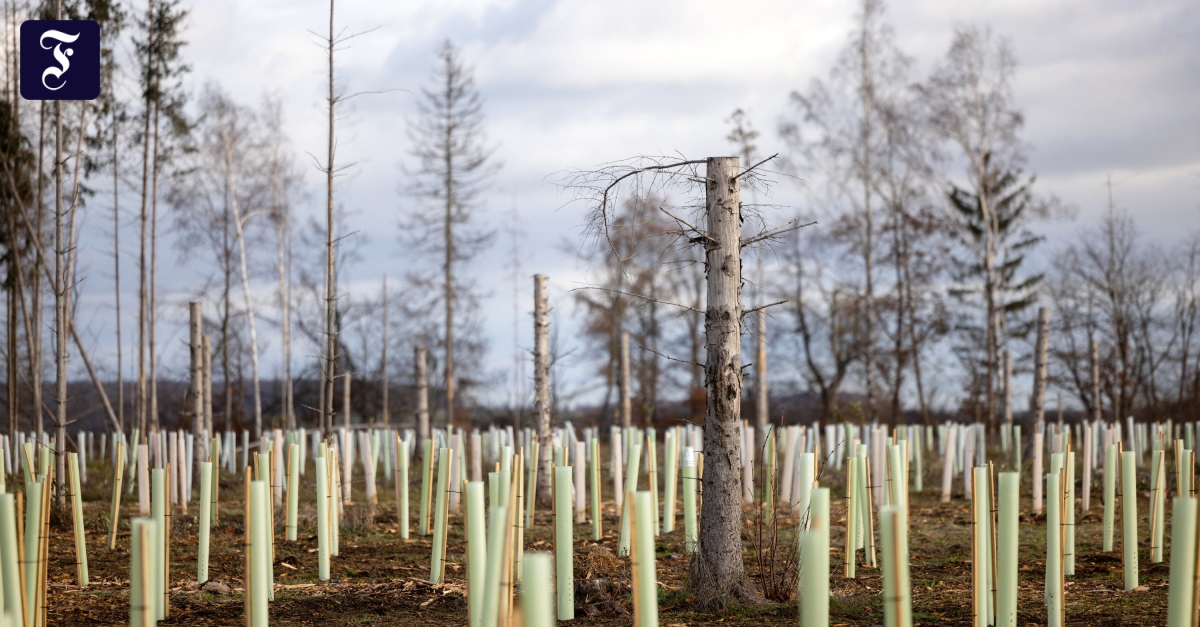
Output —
(284, 179)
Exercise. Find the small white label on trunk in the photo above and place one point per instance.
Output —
(689, 457)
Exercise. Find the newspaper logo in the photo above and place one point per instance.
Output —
(60, 60)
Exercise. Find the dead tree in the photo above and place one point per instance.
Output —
(60, 306)
(329, 347)
(196, 387)
(626, 410)
(453, 167)
(717, 573)
(422, 398)
(1040, 361)
(541, 384)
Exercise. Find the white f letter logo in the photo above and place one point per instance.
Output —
(59, 56)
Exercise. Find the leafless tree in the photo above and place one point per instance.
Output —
(284, 178)
(717, 572)
(1110, 289)
(454, 164)
(845, 118)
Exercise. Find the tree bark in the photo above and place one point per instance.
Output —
(117, 271)
(60, 310)
(346, 400)
(208, 414)
(1039, 367)
(143, 216)
(152, 301)
(449, 193)
(35, 356)
(1096, 381)
(240, 233)
(422, 399)
(196, 387)
(626, 402)
(541, 384)
(330, 345)
(283, 240)
(1008, 387)
(717, 572)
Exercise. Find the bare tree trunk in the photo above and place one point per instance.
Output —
(240, 233)
(385, 381)
(226, 371)
(330, 351)
(762, 412)
(448, 193)
(912, 334)
(208, 414)
(991, 296)
(422, 399)
(519, 398)
(867, 91)
(152, 302)
(196, 388)
(60, 310)
(12, 392)
(35, 356)
(143, 289)
(1041, 361)
(10, 382)
(717, 571)
(1096, 382)
(346, 376)
(541, 384)
(626, 402)
(117, 271)
(1008, 409)
(283, 238)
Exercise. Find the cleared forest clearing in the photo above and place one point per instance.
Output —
(379, 579)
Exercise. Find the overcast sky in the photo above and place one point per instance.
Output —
(1108, 87)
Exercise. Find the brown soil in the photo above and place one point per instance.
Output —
(379, 579)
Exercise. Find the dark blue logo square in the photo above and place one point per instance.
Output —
(60, 60)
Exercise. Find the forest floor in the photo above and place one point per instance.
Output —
(379, 579)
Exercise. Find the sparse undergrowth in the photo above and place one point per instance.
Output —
(379, 579)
